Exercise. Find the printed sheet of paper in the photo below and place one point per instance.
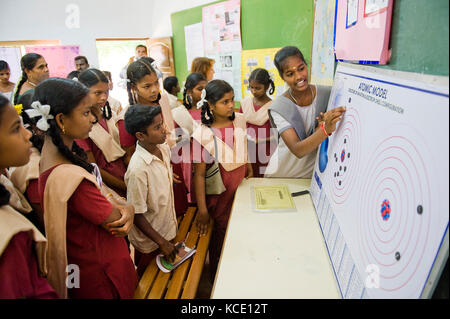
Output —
(222, 27)
(194, 42)
(275, 197)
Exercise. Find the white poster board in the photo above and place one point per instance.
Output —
(380, 184)
(194, 42)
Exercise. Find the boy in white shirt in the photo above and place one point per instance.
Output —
(149, 181)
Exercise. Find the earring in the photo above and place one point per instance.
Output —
(64, 130)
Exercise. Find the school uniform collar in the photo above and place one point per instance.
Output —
(146, 155)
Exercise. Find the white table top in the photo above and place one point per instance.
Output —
(277, 254)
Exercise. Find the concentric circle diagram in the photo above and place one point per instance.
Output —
(344, 155)
(395, 205)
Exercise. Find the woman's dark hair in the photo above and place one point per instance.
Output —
(215, 90)
(91, 77)
(170, 83)
(191, 81)
(285, 53)
(73, 74)
(135, 72)
(262, 76)
(138, 117)
(4, 65)
(4, 194)
(63, 96)
(27, 62)
(36, 139)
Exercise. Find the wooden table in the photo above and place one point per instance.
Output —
(277, 254)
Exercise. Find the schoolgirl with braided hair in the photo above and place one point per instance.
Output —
(223, 127)
(25, 178)
(23, 247)
(34, 70)
(103, 144)
(186, 119)
(143, 88)
(76, 211)
(259, 129)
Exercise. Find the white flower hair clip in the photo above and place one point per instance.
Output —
(75, 79)
(40, 110)
(202, 99)
(271, 77)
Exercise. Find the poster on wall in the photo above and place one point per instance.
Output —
(222, 27)
(193, 35)
(322, 58)
(227, 67)
(362, 30)
(12, 56)
(380, 184)
(262, 58)
(60, 58)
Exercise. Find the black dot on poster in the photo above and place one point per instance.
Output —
(345, 140)
(397, 256)
(340, 183)
(419, 209)
(345, 168)
(349, 100)
(337, 173)
(334, 174)
(348, 155)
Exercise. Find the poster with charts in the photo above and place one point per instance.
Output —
(58, 57)
(227, 67)
(322, 58)
(362, 31)
(381, 181)
(222, 27)
(261, 58)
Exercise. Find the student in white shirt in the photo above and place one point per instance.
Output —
(149, 180)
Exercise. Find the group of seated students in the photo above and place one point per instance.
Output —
(81, 181)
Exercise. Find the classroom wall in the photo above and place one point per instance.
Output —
(46, 20)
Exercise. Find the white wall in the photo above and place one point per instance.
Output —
(46, 20)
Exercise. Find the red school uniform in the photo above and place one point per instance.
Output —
(219, 206)
(106, 268)
(116, 168)
(258, 129)
(22, 258)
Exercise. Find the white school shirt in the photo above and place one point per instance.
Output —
(149, 189)
(283, 163)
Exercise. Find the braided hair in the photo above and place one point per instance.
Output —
(63, 96)
(27, 62)
(4, 194)
(36, 139)
(215, 90)
(262, 76)
(135, 72)
(91, 77)
(191, 81)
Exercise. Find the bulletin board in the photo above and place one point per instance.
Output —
(260, 27)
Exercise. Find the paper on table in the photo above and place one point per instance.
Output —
(276, 197)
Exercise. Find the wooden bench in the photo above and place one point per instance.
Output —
(183, 281)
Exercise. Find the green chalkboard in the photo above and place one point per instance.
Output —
(264, 24)
(419, 37)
